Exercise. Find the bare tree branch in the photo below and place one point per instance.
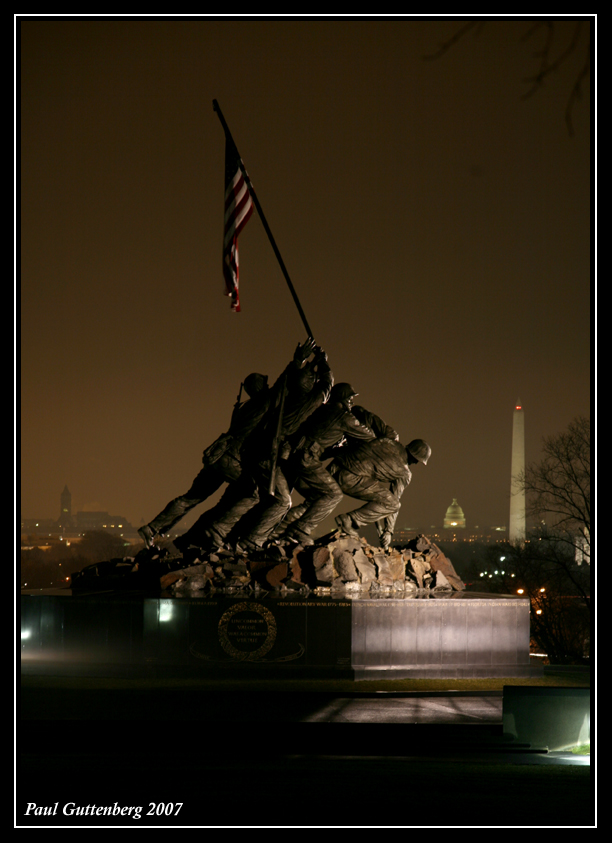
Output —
(559, 592)
(446, 45)
(576, 93)
(559, 486)
(547, 64)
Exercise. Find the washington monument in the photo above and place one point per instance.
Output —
(516, 533)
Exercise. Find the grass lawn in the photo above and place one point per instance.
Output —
(565, 678)
(582, 749)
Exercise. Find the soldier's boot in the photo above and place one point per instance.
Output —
(384, 539)
(296, 537)
(345, 522)
(147, 535)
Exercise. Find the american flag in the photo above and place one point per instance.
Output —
(238, 209)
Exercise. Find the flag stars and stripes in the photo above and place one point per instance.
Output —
(238, 209)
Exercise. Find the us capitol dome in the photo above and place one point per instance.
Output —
(454, 518)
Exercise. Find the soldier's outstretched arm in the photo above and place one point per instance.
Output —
(355, 429)
(381, 429)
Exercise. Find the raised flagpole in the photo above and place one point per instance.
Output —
(264, 221)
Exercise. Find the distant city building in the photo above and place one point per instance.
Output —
(40, 526)
(65, 519)
(75, 525)
(483, 535)
(454, 518)
(583, 550)
(404, 535)
(85, 521)
(454, 529)
(517, 531)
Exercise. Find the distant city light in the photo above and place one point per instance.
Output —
(521, 591)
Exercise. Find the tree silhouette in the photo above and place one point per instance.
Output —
(558, 488)
(559, 592)
(554, 52)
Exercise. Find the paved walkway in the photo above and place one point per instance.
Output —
(392, 708)
(437, 723)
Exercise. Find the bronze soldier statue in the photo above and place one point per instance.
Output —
(221, 460)
(377, 472)
(315, 441)
(307, 386)
(258, 501)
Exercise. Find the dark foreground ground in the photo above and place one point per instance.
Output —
(255, 755)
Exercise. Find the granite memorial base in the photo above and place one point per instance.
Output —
(457, 634)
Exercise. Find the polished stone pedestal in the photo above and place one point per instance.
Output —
(460, 635)
(453, 634)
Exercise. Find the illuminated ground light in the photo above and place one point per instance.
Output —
(165, 611)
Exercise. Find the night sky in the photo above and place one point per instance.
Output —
(434, 222)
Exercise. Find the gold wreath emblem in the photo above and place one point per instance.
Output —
(230, 615)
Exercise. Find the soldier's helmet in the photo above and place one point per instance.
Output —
(254, 383)
(344, 393)
(419, 449)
